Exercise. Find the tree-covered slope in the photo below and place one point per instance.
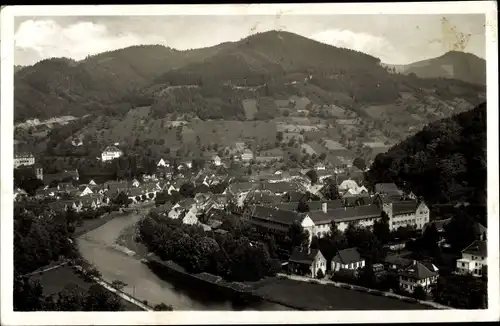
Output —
(445, 162)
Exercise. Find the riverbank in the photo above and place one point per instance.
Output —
(293, 294)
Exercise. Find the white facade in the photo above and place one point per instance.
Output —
(471, 264)
(308, 225)
(409, 284)
(111, 153)
(318, 264)
(247, 155)
(24, 160)
(86, 191)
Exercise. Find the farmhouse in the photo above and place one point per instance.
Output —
(474, 259)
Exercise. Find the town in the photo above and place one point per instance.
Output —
(325, 223)
(232, 163)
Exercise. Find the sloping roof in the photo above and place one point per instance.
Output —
(404, 207)
(478, 247)
(397, 260)
(347, 256)
(276, 215)
(418, 271)
(347, 184)
(313, 205)
(346, 214)
(303, 256)
(242, 186)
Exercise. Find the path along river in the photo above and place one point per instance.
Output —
(99, 248)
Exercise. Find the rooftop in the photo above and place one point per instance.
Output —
(276, 215)
(346, 214)
(417, 270)
(478, 247)
(303, 256)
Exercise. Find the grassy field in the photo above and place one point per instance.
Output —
(309, 296)
(56, 280)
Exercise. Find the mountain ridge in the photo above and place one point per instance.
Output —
(115, 81)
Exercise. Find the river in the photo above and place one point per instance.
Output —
(96, 247)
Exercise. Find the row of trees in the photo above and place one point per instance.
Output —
(234, 258)
(29, 296)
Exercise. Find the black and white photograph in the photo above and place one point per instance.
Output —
(288, 163)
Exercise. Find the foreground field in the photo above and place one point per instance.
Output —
(55, 280)
(310, 296)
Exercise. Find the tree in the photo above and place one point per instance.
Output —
(381, 228)
(419, 293)
(121, 200)
(320, 275)
(460, 231)
(302, 207)
(279, 136)
(187, 190)
(313, 176)
(27, 295)
(331, 191)
(359, 163)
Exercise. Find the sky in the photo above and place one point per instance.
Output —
(395, 39)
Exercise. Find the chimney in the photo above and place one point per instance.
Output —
(324, 206)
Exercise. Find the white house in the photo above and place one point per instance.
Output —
(406, 213)
(111, 153)
(320, 166)
(347, 259)
(162, 163)
(247, 155)
(24, 159)
(474, 258)
(216, 160)
(418, 274)
(307, 262)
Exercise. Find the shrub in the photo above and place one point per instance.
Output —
(320, 274)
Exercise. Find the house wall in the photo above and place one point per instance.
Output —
(190, 217)
(409, 284)
(308, 225)
(471, 264)
(352, 266)
(317, 265)
(19, 161)
(418, 218)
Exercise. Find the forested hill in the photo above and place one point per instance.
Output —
(272, 64)
(445, 162)
(454, 64)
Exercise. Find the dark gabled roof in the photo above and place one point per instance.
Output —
(347, 256)
(404, 207)
(418, 271)
(478, 248)
(275, 215)
(303, 256)
(346, 214)
(263, 197)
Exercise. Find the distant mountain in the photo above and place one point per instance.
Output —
(444, 163)
(457, 65)
(212, 82)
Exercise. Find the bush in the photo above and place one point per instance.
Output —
(320, 274)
